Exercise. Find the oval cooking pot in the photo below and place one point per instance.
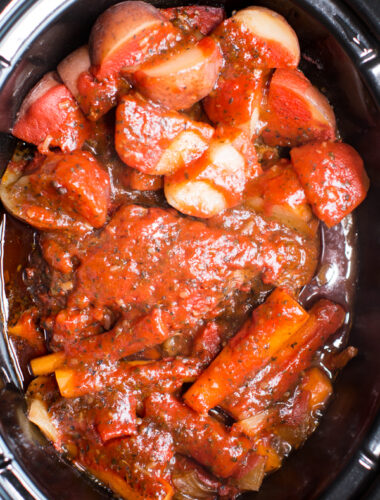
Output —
(340, 48)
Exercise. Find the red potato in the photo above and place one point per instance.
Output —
(156, 141)
(210, 185)
(63, 191)
(257, 37)
(182, 77)
(297, 112)
(333, 177)
(50, 117)
(126, 35)
(190, 18)
(217, 180)
(94, 97)
(236, 99)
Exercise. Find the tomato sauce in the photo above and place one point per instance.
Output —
(170, 355)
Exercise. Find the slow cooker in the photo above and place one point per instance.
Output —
(340, 44)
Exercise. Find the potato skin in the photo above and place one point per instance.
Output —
(125, 35)
(181, 87)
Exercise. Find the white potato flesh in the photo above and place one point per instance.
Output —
(195, 197)
(271, 26)
(183, 78)
(207, 186)
(186, 147)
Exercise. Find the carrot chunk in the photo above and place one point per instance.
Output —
(333, 177)
(274, 380)
(272, 324)
(200, 437)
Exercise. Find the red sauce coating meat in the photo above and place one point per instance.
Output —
(169, 307)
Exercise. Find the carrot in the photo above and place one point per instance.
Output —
(120, 342)
(47, 364)
(252, 348)
(318, 385)
(164, 375)
(119, 419)
(160, 489)
(26, 328)
(198, 436)
(271, 383)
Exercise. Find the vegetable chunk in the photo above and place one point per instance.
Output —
(61, 191)
(190, 18)
(156, 141)
(217, 180)
(94, 97)
(333, 177)
(271, 383)
(272, 324)
(261, 38)
(125, 35)
(50, 117)
(182, 78)
(200, 437)
(297, 112)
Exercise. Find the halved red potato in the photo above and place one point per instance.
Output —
(297, 112)
(211, 184)
(278, 193)
(259, 38)
(126, 35)
(236, 99)
(50, 117)
(62, 191)
(183, 77)
(333, 177)
(189, 18)
(157, 141)
(94, 97)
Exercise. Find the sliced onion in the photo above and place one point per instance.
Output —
(253, 479)
(189, 485)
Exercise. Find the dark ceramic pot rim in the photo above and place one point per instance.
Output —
(23, 21)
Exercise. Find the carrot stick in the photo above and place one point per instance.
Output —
(318, 385)
(163, 490)
(47, 364)
(271, 383)
(119, 342)
(109, 346)
(198, 436)
(164, 375)
(272, 324)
